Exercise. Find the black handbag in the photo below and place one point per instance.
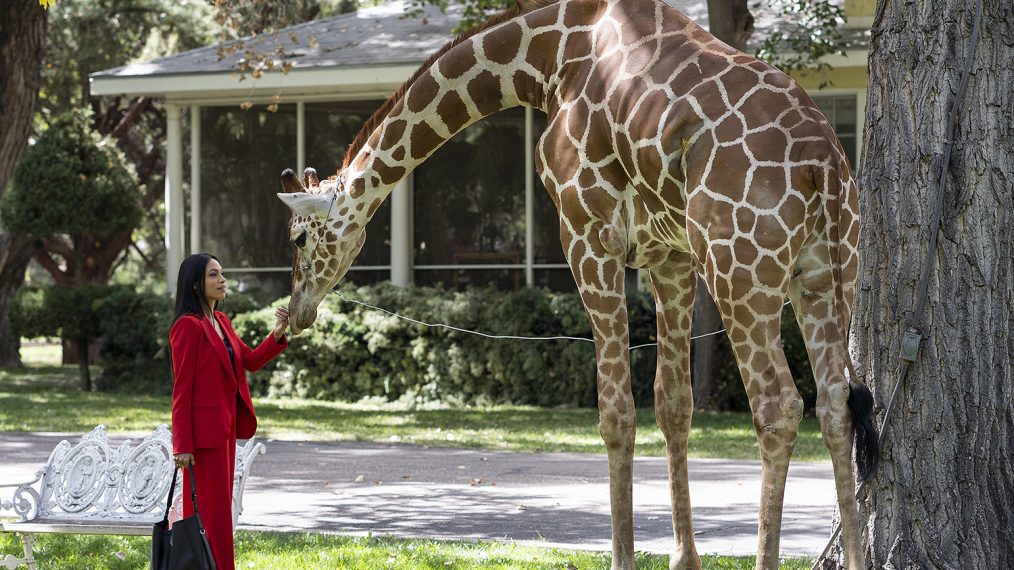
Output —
(185, 545)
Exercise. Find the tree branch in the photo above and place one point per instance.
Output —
(147, 261)
(50, 265)
(139, 106)
(57, 245)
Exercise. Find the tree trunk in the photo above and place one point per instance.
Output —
(84, 372)
(708, 351)
(15, 253)
(731, 22)
(22, 35)
(943, 496)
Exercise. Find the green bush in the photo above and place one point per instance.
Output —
(135, 350)
(27, 313)
(240, 302)
(72, 182)
(133, 328)
(69, 312)
(353, 352)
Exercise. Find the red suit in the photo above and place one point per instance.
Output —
(211, 408)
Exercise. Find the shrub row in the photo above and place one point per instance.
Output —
(132, 329)
(353, 352)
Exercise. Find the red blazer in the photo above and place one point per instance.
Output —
(208, 397)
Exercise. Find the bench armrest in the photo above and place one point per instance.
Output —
(26, 498)
(245, 456)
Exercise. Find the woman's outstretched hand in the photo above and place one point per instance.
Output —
(281, 322)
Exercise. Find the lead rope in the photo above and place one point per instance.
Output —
(498, 336)
(913, 337)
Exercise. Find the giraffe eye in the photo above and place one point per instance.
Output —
(301, 240)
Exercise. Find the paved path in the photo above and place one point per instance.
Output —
(550, 498)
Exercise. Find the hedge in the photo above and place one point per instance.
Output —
(353, 352)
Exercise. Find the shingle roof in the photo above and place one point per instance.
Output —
(381, 35)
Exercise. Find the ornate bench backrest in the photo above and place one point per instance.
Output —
(91, 481)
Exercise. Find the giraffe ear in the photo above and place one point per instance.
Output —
(310, 179)
(290, 182)
(304, 204)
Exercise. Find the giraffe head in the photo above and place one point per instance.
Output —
(326, 231)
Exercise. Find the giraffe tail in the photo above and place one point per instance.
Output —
(867, 438)
(860, 401)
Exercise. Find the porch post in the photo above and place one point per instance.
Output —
(174, 238)
(529, 197)
(195, 179)
(401, 232)
(301, 138)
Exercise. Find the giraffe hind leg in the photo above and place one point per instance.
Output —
(752, 317)
(812, 296)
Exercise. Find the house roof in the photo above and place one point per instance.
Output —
(377, 38)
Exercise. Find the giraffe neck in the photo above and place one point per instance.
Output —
(497, 69)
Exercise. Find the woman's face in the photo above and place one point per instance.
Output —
(214, 282)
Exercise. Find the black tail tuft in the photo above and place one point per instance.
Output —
(867, 439)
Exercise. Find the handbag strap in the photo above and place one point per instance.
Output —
(193, 488)
(169, 499)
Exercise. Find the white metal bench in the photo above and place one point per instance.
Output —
(90, 488)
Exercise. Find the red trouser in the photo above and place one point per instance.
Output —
(213, 469)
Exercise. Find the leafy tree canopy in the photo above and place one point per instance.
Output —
(90, 35)
(72, 182)
(815, 33)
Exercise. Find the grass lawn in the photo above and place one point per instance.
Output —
(44, 397)
(300, 551)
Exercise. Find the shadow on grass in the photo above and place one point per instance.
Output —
(46, 398)
(297, 551)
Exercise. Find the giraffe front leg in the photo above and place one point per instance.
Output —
(617, 415)
(599, 276)
(673, 284)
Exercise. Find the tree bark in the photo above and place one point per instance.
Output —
(22, 36)
(731, 22)
(84, 372)
(708, 351)
(15, 253)
(943, 496)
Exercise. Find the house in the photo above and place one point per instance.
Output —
(475, 212)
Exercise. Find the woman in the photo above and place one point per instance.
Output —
(211, 398)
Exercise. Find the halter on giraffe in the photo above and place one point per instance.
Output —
(665, 150)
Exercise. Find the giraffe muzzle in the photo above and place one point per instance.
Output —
(302, 318)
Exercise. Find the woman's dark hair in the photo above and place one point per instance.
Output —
(190, 297)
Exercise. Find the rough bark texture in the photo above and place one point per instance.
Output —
(731, 22)
(22, 36)
(944, 494)
(708, 351)
(15, 253)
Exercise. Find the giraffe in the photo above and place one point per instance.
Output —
(665, 150)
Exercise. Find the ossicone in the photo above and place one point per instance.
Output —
(310, 179)
(290, 182)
